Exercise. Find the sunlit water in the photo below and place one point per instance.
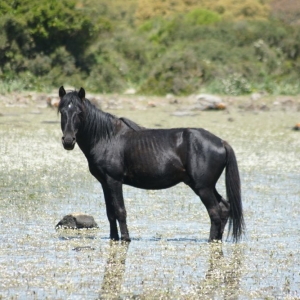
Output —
(169, 257)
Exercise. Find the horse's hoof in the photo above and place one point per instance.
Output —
(215, 241)
(126, 239)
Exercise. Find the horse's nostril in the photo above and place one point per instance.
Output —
(68, 140)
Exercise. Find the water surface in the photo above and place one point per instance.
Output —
(169, 257)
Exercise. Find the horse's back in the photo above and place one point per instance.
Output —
(159, 158)
(154, 141)
(178, 140)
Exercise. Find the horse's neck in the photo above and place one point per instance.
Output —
(99, 127)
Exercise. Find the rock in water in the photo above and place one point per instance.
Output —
(297, 127)
(210, 102)
(77, 221)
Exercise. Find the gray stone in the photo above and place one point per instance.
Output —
(77, 221)
(210, 102)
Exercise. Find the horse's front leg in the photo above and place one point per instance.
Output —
(110, 211)
(115, 209)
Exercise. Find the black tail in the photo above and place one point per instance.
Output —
(233, 190)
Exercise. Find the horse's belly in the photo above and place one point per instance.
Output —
(154, 180)
(150, 184)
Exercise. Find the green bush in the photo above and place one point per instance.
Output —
(178, 71)
(236, 84)
(108, 68)
(46, 43)
(53, 23)
(33, 32)
(199, 16)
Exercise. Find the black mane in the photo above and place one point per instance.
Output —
(131, 124)
(97, 123)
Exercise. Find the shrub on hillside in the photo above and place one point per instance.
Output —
(180, 26)
(178, 71)
(201, 17)
(230, 9)
(225, 45)
(32, 30)
(108, 68)
(286, 10)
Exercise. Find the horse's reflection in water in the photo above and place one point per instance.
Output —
(222, 278)
(114, 271)
(224, 274)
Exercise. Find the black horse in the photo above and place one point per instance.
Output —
(120, 152)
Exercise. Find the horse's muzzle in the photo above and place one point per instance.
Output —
(68, 142)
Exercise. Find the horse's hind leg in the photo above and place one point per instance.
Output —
(214, 210)
(225, 210)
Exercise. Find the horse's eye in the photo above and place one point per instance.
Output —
(70, 105)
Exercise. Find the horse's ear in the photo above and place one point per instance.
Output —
(61, 92)
(81, 94)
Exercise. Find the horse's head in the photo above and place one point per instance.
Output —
(71, 109)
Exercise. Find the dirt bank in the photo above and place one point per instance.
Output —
(180, 106)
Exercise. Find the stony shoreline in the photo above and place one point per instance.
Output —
(182, 105)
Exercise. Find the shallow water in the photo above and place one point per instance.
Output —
(169, 257)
